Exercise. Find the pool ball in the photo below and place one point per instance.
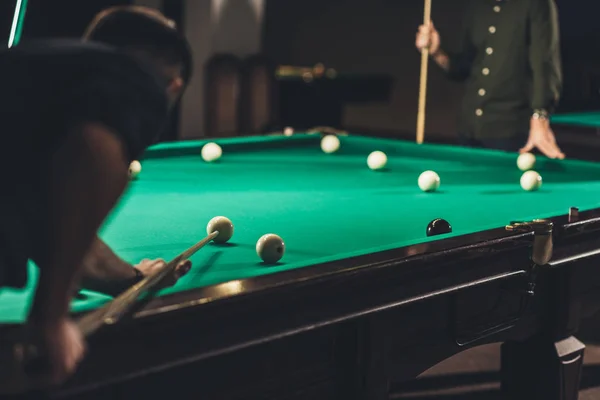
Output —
(531, 181)
(134, 169)
(429, 181)
(211, 152)
(330, 144)
(223, 225)
(377, 160)
(288, 131)
(526, 161)
(438, 226)
(270, 248)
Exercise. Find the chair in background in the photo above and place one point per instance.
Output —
(259, 95)
(223, 87)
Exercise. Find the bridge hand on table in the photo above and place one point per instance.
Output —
(543, 139)
(148, 267)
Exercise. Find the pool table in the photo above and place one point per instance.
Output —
(590, 119)
(362, 299)
(578, 133)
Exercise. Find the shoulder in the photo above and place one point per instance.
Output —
(74, 59)
(89, 82)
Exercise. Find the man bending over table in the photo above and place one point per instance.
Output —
(74, 115)
(509, 60)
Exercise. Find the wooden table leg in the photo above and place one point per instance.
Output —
(542, 370)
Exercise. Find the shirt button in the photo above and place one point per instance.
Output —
(492, 29)
(479, 112)
(481, 92)
(489, 51)
(485, 71)
(497, 8)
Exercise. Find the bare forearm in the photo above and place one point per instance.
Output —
(87, 175)
(104, 271)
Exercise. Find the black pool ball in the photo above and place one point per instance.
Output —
(438, 226)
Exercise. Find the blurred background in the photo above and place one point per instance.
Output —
(369, 45)
(263, 65)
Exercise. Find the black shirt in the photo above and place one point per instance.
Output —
(47, 87)
(509, 59)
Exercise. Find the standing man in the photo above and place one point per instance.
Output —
(509, 60)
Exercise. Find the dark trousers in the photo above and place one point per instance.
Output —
(510, 144)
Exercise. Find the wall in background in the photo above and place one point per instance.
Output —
(369, 36)
(216, 26)
(350, 35)
(378, 36)
(62, 18)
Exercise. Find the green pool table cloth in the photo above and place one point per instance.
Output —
(326, 207)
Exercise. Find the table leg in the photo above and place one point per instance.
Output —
(538, 369)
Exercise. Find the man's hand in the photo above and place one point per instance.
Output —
(58, 345)
(61, 347)
(428, 38)
(148, 267)
(542, 138)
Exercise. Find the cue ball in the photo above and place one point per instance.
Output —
(270, 248)
(526, 161)
(134, 169)
(330, 144)
(429, 181)
(377, 160)
(288, 131)
(438, 226)
(223, 225)
(531, 181)
(211, 152)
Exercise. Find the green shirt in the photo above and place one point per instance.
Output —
(509, 58)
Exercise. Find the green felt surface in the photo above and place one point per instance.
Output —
(585, 119)
(326, 207)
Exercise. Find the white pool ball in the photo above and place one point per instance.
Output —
(270, 248)
(134, 169)
(211, 152)
(288, 131)
(526, 161)
(429, 181)
(531, 181)
(223, 225)
(330, 144)
(377, 160)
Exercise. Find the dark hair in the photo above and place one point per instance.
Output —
(145, 30)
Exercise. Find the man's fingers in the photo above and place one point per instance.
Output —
(156, 264)
(549, 149)
(184, 267)
(527, 148)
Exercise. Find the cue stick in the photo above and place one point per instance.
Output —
(17, 24)
(112, 312)
(423, 83)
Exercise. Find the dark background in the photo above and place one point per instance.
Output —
(363, 36)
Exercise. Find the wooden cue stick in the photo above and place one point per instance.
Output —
(33, 362)
(111, 312)
(423, 82)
